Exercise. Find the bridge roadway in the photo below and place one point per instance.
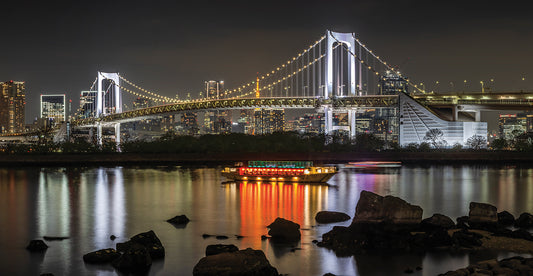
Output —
(339, 103)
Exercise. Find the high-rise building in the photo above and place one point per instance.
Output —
(392, 83)
(214, 89)
(53, 108)
(87, 104)
(189, 123)
(12, 106)
(268, 121)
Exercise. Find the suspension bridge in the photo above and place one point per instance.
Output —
(335, 74)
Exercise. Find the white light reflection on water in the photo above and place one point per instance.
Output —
(89, 205)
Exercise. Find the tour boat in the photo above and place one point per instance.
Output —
(279, 171)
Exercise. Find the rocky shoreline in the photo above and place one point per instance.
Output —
(381, 225)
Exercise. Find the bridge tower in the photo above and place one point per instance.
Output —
(103, 107)
(348, 39)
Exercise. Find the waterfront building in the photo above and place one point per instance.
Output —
(53, 108)
(511, 125)
(12, 106)
(416, 121)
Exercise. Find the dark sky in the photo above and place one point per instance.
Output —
(173, 47)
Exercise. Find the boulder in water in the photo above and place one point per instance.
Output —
(101, 256)
(37, 246)
(214, 249)
(284, 230)
(242, 262)
(331, 216)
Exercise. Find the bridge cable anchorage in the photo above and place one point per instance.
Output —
(274, 71)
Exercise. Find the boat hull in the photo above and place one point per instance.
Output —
(311, 178)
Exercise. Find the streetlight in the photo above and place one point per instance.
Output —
(423, 87)
(492, 85)
(436, 86)
(451, 85)
(482, 89)
(465, 86)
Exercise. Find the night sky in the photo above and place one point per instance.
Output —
(170, 47)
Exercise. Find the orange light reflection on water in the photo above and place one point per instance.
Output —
(261, 203)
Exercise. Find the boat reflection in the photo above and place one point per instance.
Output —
(375, 167)
(262, 202)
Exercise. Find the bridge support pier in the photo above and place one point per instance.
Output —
(328, 120)
(351, 117)
(117, 136)
(99, 134)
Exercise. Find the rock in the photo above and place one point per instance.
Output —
(135, 260)
(264, 237)
(373, 208)
(239, 237)
(408, 270)
(521, 234)
(242, 262)
(437, 221)
(205, 236)
(329, 274)
(54, 238)
(37, 246)
(330, 216)
(181, 219)
(465, 238)
(214, 249)
(482, 216)
(505, 218)
(284, 230)
(418, 268)
(147, 239)
(221, 237)
(525, 220)
(101, 256)
(462, 222)
(438, 238)
(112, 237)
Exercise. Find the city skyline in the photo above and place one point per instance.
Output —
(174, 48)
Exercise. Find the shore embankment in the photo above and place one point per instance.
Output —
(98, 159)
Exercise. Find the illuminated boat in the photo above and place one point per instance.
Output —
(279, 171)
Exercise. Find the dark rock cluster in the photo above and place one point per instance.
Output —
(510, 266)
(390, 224)
(135, 255)
(241, 262)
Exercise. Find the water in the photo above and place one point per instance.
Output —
(90, 204)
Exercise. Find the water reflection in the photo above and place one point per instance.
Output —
(90, 204)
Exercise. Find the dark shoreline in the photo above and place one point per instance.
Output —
(415, 158)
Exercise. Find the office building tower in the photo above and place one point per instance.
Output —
(53, 108)
(12, 106)
(268, 121)
(87, 104)
(214, 89)
(392, 83)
